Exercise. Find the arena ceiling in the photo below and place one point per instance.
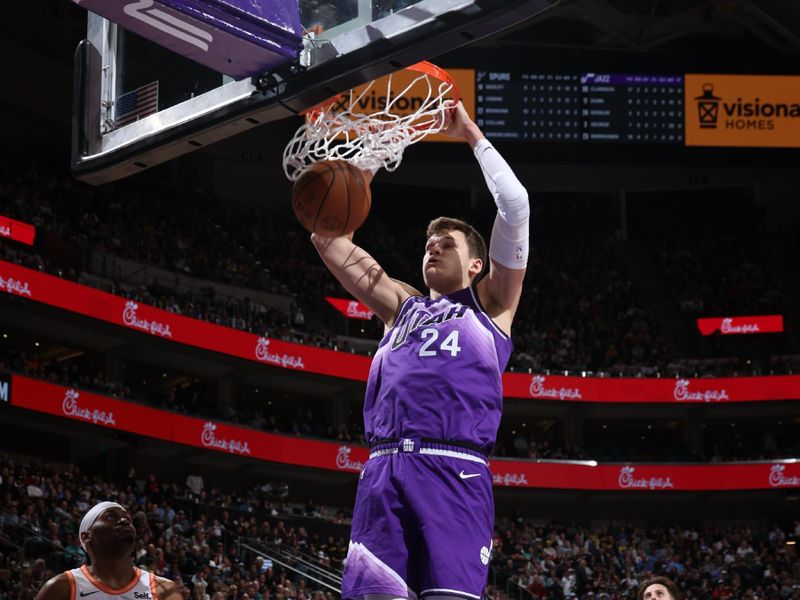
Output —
(663, 24)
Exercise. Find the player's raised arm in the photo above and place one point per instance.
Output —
(500, 290)
(362, 276)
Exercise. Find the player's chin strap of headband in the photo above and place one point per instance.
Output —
(510, 234)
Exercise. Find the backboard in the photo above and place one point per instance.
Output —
(138, 104)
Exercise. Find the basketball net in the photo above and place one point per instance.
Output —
(340, 129)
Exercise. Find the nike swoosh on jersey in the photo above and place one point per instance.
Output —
(468, 475)
(82, 594)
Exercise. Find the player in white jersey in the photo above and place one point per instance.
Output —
(108, 537)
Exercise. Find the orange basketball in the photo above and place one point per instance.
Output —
(331, 198)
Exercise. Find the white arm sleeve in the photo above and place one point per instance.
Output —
(509, 243)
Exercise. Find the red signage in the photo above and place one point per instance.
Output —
(17, 230)
(352, 309)
(647, 478)
(668, 390)
(741, 325)
(90, 302)
(94, 409)
(87, 301)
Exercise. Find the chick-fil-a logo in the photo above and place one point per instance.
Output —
(539, 389)
(510, 479)
(628, 480)
(354, 311)
(131, 319)
(71, 408)
(15, 286)
(682, 393)
(282, 360)
(209, 439)
(344, 462)
(778, 479)
(730, 328)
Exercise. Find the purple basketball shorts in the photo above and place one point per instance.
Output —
(422, 523)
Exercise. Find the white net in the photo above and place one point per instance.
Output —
(342, 130)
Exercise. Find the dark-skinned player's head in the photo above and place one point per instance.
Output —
(658, 588)
(107, 530)
(455, 253)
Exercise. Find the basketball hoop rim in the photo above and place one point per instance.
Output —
(425, 67)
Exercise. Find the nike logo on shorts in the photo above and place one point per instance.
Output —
(468, 475)
(88, 593)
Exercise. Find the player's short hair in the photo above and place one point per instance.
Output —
(475, 241)
(671, 586)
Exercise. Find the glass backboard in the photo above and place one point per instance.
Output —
(138, 104)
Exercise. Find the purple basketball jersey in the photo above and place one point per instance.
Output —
(438, 373)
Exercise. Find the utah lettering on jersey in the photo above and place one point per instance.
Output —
(418, 317)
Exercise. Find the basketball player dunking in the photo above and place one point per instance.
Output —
(108, 536)
(422, 524)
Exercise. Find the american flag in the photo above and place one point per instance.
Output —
(137, 104)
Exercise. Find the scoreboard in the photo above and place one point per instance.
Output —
(586, 107)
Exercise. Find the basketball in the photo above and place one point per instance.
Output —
(331, 198)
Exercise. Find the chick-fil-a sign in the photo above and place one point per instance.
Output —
(18, 231)
(740, 325)
(95, 410)
(170, 327)
(352, 309)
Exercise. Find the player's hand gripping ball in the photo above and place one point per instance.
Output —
(331, 198)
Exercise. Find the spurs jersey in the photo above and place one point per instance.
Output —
(83, 585)
(438, 373)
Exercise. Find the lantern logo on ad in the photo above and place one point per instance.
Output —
(708, 107)
(171, 25)
(344, 462)
(627, 480)
(539, 389)
(778, 479)
(14, 286)
(282, 360)
(209, 439)
(682, 393)
(71, 408)
(510, 479)
(131, 319)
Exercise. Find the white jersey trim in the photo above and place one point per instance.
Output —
(446, 591)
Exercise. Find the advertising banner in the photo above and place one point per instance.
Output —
(352, 309)
(90, 302)
(742, 110)
(17, 230)
(94, 409)
(741, 325)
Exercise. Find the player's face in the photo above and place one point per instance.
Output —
(446, 265)
(657, 592)
(113, 530)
